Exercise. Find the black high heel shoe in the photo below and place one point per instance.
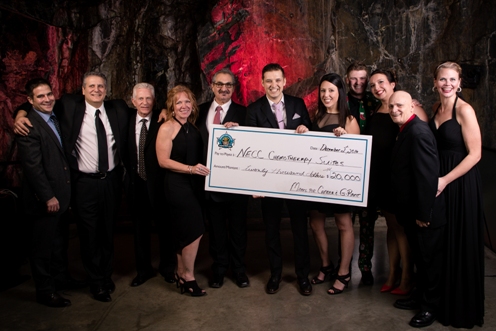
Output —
(327, 271)
(177, 278)
(343, 280)
(192, 288)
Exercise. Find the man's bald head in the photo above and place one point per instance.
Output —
(401, 107)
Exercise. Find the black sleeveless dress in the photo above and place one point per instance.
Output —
(328, 123)
(384, 132)
(183, 192)
(462, 303)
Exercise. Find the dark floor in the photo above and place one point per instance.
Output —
(157, 305)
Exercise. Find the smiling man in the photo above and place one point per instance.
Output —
(414, 177)
(226, 213)
(281, 111)
(46, 192)
(145, 188)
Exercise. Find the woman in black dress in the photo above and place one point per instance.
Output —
(384, 131)
(333, 115)
(179, 151)
(459, 144)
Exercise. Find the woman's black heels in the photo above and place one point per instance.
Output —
(327, 271)
(345, 279)
(192, 288)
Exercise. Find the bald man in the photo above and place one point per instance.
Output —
(415, 172)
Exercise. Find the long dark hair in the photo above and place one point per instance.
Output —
(344, 110)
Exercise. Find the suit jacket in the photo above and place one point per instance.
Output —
(45, 168)
(415, 173)
(70, 111)
(154, 174)
(260, 113)
(235, 113)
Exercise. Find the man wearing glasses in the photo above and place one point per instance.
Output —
(226, 212)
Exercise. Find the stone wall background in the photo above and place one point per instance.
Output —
(166, 42)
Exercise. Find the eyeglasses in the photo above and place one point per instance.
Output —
(227, 85)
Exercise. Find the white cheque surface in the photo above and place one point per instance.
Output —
(314, 166)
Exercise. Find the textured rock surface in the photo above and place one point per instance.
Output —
(166, 42)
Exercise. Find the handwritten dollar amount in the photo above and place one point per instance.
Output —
(346, 177)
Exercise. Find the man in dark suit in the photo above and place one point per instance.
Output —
(94, 134)
(145, 187)
(415, 172)
(226, 213)
(281, 111)
(46, 192)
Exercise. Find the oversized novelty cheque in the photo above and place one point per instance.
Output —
(313, 166)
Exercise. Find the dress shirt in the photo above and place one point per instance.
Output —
(137, 132)
(46, 118)
(87, 141)
(271, 103)
(211, 113)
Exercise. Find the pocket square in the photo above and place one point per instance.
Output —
(296, 116)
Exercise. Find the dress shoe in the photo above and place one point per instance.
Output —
(241, 279)
(169, 277)
(70, 284)
(109, 286)
(398, 291)
(217, 281)
(423, 318)
(101, 294)
(407, 304)
(273, 284)
(142, 277)
(53, 300)
(367, 278)
(304, 286)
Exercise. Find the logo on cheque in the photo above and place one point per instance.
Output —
(225, 141)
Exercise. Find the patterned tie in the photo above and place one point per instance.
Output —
(279, 114)
(102, 143)
(55, 122)
(217, 115)
(141, 149)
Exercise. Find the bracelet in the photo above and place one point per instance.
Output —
(190, 171)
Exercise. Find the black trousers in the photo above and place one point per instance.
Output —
(427, 246)
(271, 213)
(95, 202)
(144, 215)
(227, 233)
(48, 251)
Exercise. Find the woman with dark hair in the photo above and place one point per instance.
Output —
(333, 115)
(459, 144)
(384, 131)
(179, 151)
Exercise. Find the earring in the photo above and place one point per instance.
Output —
(459, 89)
(433, 89)
(173, 114)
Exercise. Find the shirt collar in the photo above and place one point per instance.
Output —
(224, 107)
(271, 102)
(409, 120)
(44, 116)
(91, 110)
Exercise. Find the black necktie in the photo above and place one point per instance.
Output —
(55, 122)
(141, 149)
(102, 144)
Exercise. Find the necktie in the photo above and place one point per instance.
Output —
(217, 115)
(363, 116)
(279, 114)
(141, 149)
(55, 122)
(102, 143)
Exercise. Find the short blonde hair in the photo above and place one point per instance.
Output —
(448, 65)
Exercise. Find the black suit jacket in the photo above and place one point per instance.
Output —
(260, 113)
(45, 168)
(70, 111)
(415, 173)
(154, 174)
(235, 113)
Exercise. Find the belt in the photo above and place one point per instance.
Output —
(96, 175)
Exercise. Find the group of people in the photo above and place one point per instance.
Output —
(423, 179)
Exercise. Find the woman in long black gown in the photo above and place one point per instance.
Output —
(333, 115)
(459, 143)
(179, 151)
